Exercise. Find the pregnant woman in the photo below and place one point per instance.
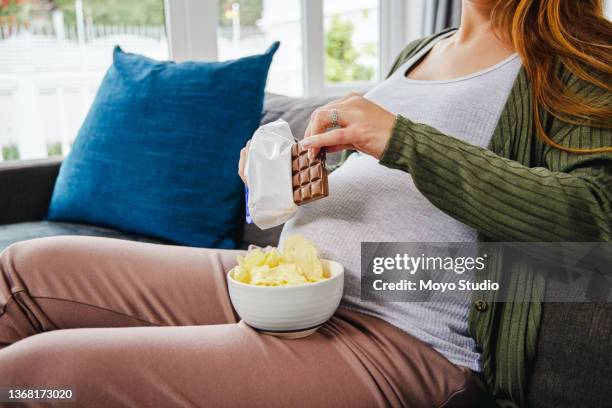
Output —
(499, 130)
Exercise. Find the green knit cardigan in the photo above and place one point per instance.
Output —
(518, 190)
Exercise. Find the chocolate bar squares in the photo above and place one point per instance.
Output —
(309, 176)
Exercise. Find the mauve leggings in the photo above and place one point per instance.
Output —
(134, 324)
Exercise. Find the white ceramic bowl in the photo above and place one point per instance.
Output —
(289, 311)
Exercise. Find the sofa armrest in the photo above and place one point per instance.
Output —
(25, 189)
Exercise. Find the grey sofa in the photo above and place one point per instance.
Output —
(574, 363)
(26, 187)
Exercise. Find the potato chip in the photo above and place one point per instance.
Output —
(281, 275)
(298, 250)
(296, 264)
(241, 274)
(273, 258)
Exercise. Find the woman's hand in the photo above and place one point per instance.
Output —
(364, 126)
(244, 153)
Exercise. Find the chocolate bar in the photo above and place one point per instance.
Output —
(309, 176)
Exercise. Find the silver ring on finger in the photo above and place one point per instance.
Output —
(334, 118)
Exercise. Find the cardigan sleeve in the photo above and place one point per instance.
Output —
(501, 198)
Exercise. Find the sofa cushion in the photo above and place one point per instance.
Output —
(158, 152)
(573, 365)
(12, 233)
(25, 188)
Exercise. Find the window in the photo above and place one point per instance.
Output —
(348, 46)
(248, 27)
(351, 41)
(53, 55)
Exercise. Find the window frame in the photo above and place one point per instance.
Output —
(191, 28)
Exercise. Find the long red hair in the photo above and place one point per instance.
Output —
(574, 33)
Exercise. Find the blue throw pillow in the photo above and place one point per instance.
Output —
(158, 152)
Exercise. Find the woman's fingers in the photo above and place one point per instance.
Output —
(323, 119)
(242, 162)
(318, 123)
(315, 116)
(307, 131)
(332, 138)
